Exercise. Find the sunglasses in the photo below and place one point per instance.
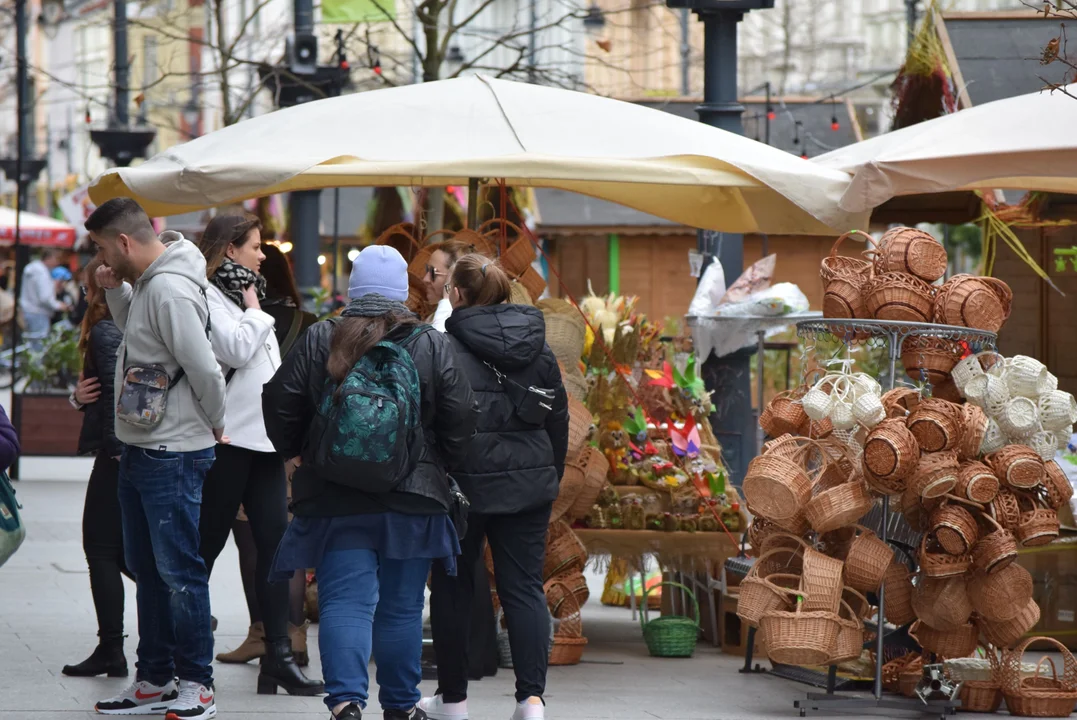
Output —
(432, 272)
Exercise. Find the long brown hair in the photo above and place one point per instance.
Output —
(222, 232)
(96, 305)
(480, 280)
(354, 336)
(280, 283)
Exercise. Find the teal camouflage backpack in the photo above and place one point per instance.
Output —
(368, 429)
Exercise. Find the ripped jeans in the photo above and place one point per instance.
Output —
(160, 499)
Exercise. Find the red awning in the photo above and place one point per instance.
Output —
(35, 230)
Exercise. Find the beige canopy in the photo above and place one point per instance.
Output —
(1020, 143)
(444, 133)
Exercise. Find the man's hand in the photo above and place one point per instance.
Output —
(107, 278)
(291, 465)
(250, 298)
(218, 434)
(87, 391)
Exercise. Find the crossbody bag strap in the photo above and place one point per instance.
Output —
(209, 331)
(293, 333)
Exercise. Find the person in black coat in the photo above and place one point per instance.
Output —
(511, 476)
(102, 532)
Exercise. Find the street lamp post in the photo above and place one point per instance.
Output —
(729, 377)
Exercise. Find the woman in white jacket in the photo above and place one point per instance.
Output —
(247, 469)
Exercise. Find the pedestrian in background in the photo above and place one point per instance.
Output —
(372, 551)
(102, 529)
(38, 299)
(170, 415)
(510, 475)
(442, 257)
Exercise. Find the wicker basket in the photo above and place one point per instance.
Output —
(982, 303)
(980, 696)
(671, 635)
(843, 281)
(867, 561)
(936, 425)
(1044, 443)
(595, 468)
(936, 475)
(1006, 509)
(1038, 525)
(567, 650)
(1026, 377)
(760, 595)
(947, 390)
(936, 563)
(564, 551)
(892, 671)
(532, 282)
(1057, 485)
(928, 359)
(1038, 696)
(995, 550)
(1017, 466)
(896, 296)
(910, 677)
(1020, 418)
(565, 334)
(850, 642)
(800, 637)
(967, 369)
(1002, 595)
(821, 581)
(572, 485)
(955, 528)
(942, 603)
(839, 506)
(974, 429)
(976, 482)
(1058, 410)
(908, 250)
(580, 427)
(898, 596)
(1006, 632)
(900, 401)
(780, 558)
(777, 484)
(783, 415)
(958, 642)
(890, 455)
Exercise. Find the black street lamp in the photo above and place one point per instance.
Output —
(729, 377)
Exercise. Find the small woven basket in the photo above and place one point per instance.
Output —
(843, 281)
(1001, 595)
(891, 455)
(572, 484)
(1006, 509)
(982, 303)
(892, 671)
(1057, 485)
(910, 677)
(1017, 466)
(929, 359)
(935, 475)
(898, 596)
(800, 636)
(1038, 524)
(936, 425)
(595, 469)
(995, 550)
(1006, 632)
(955, 529)
(839, 506)
(580, 424)
(994, 439)
(761, 595)
(1026, 377)
(900, 401)
(867, 561)
(783, 415)
(908, 250)
(850, 641)
(980, 696)
(778, 484)
(896, 296)
(1038, 696)
(965, 371)
(1045, 444)
(1057, 409)
(564, 551)
(1020, 418)
(976, 482)
(671, 635)
(936, 563)
(974, 429)
(565, 334)
(942, 603)
(821, 581)
(958, 642)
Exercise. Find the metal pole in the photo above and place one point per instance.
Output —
(910, 19)
(686, 52)
(120, 58)
(730, 377)
(767, 113)
(305, 235)
(336, 240)
(22, 81)
(532, 43)
(473, 203)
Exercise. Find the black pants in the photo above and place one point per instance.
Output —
(102, 541)
(257, 481)
(518, 545)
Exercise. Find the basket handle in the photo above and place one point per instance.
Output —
(643, 616)
(854, 234)
(966, 501)
(1054, 670)
(768, 553)
(399, 229)
(1002, 290)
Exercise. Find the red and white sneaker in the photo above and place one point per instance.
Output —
(195, 702)
(141, 698)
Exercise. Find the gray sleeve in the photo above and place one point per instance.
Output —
(119, 304)
(183, 331)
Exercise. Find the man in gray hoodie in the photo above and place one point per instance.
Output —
(156, 290)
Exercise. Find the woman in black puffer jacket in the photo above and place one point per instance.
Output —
(511, 477)
(102, 533)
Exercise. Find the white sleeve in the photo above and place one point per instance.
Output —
(236, 342)
(441, 314)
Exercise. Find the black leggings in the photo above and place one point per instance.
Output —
(257, 481)
(102, 541)
(248, 570)
(518, 546)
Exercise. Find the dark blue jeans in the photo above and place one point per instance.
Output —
(366, 603)
(160, 498)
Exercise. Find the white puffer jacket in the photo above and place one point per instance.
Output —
(244, 340)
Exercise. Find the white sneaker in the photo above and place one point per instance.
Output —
(530, 709)
(195, 702)
(437, 709)
(140, 698)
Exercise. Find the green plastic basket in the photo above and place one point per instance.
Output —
(670, 635)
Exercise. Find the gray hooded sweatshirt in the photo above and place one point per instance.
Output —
(163, 319)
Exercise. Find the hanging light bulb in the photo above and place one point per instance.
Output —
(834, 124)
(771, 115)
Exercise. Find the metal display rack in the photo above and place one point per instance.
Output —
(875, 333)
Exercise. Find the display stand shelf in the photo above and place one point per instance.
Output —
(891, 334)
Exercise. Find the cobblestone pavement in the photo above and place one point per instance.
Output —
(47, 620)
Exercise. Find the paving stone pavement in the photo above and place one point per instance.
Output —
(47, 620)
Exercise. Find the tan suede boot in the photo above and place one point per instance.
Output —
(298, 635)
(252, 648)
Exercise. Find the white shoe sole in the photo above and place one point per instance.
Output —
(435, 715)
(159, 709)
(210, 712)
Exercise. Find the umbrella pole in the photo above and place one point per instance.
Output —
(21, 83)
(472, 203)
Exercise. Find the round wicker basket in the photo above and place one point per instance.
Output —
(896, 296)
(982, 303)
(908, 250)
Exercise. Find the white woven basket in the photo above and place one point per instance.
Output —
(989, 392)
(817, 404)
(841, 416)
(994, 439)
(1020, 418)
(1045, 443)
(1026, 377)
(1064, 436)
(868, 410)
(965, 371)
(1058, 410)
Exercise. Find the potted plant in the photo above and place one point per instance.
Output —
(48, 423)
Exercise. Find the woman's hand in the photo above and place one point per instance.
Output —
(250, 298)
(291, 465)
(87, 391)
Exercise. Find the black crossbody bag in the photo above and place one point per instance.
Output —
(532, 404)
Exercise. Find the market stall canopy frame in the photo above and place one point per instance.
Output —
(445, 132)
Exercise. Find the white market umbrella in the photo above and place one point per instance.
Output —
(445, 132)
(1020, 143)
(35, 230)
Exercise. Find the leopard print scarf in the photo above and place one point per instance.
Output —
(233, 278)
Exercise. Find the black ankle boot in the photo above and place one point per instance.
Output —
(107, 659)
(279, 670)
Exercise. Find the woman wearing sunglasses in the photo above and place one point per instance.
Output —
(443, 256)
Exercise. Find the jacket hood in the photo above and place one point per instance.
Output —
(181, 257)
(508, 336)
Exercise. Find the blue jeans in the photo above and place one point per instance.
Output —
(37, 329)
(366, 603)
(160, 498)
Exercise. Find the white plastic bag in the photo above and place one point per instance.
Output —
(710, 290)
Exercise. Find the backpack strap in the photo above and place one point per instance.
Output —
(293, 332)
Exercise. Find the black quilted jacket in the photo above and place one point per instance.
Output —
(99, 418)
